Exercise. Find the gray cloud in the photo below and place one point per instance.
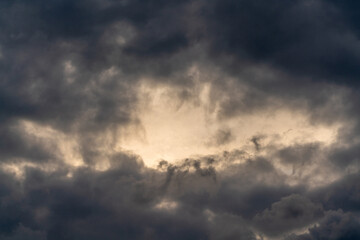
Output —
(177, 201)
(335, 225)
(289, 213)
(221, 137)
(75, 67)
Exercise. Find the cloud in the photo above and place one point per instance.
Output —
(221, 137)
(335, 225)
(343, 194)
(289, 213)
(72, 75)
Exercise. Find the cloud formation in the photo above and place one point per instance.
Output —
(265, 91)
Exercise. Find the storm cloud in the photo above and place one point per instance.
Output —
(127, 119)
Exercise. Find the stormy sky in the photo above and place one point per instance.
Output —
(179, 119)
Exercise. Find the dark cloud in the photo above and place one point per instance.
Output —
(256, 141)
(289, 213)
(306, 38)
(194, 199)
(343, 194)
(121, 202)
(40, 37)
(75, 67)
(16, 145)
(299, 154)
(221, 137)
(335, 225)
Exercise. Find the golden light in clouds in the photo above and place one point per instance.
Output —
(179, 120)
(174, 129)
(64, 146)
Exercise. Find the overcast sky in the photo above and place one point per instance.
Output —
(179, 119)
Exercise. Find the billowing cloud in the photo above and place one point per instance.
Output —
(179, 119)
(289, 213)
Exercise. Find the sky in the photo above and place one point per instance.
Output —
(191, 119)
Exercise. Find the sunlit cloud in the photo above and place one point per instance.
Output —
(179, 120)
(174, 128)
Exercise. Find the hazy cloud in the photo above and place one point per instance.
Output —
(75, 78)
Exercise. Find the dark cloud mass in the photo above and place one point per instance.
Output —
(72, 80)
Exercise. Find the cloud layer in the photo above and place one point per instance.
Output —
(261, 97)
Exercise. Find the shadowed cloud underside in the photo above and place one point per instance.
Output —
(128, 119)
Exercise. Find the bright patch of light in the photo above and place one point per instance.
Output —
(166, 205)
(174, 128)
